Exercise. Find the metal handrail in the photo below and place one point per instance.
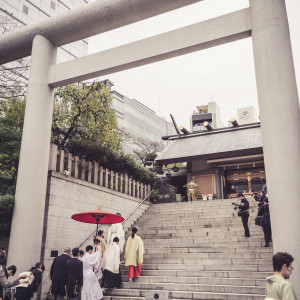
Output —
(90, 234)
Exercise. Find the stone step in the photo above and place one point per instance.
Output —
(196, 250)
(186, 295)
(200, 280)
(211, 254)
(199, 273)
(169, 259)
(223, 267)
(190, 287)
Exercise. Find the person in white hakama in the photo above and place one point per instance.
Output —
(116, 230)
(91, 288)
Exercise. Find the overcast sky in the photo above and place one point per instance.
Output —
(224, 74)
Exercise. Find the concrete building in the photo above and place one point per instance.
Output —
(138, 119)
(24, 12)
(206, 113)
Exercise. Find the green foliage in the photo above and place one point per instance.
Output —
(154, 196)
(6, 209)
(178, 165)
(114, 160)
(11, 126)
(84, 113)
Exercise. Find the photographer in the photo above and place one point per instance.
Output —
(243, 212)
(266, 224)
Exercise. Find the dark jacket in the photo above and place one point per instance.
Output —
(74, 275)
(244, 205)
(58, 274)
(36, 282)
(264, 211)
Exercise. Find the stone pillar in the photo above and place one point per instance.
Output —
(116, 182)
(101, 176)
(278, 100)
(126, 185)
(76, 169)
(61, 161)
(95, 175)
(28, 215)
(53, 157)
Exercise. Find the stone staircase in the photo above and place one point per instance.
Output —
(197, 250)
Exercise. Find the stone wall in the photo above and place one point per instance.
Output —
(66, 196)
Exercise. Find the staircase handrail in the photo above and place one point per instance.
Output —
(90, 234)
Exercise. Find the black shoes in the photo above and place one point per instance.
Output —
(266, 245)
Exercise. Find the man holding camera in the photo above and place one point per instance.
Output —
(243, 212)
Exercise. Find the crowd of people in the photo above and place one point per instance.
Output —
(263, 215)
(91, 274)
(26, 284)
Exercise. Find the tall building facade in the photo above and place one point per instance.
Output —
(24, 12)
(137, 119)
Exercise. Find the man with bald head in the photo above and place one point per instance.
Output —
(58, 274)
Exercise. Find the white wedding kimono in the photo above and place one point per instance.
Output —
(91, 288)
(116, 230)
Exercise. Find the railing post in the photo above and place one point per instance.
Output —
(101, 176)
(130, 186)
(61, 161)
(69, 158)
(53, 157)
(137, 189)
(126, 185)
(106, 178)
(82, 177)
(133, 188)
(76, 169)
(121, 183)
(116, 182)
(142, 191)
(96, 167)
(90, 165)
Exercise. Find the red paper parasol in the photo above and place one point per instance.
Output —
(97, 217)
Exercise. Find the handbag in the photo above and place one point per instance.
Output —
(259, 220)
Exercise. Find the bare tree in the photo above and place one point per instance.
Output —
(14, 75)
(144, 149)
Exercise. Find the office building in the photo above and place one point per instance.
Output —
(206, 113)
(25, 12)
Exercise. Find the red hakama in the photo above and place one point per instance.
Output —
(134, 271)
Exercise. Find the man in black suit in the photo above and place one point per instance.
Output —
(74, 275)
(58, 274)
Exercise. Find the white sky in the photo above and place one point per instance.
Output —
(224, 74)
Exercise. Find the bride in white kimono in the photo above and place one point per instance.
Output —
(91, 288)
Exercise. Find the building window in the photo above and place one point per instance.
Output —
(25, 9)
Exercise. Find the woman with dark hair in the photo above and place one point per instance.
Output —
(134, 254)
(4, 274)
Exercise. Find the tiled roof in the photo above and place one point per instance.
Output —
(214, 142)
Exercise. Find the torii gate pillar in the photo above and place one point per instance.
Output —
(28, 216)
(280, 123)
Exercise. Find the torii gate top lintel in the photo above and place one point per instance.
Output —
(83, 22)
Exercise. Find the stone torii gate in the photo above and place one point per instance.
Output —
(265, 21)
